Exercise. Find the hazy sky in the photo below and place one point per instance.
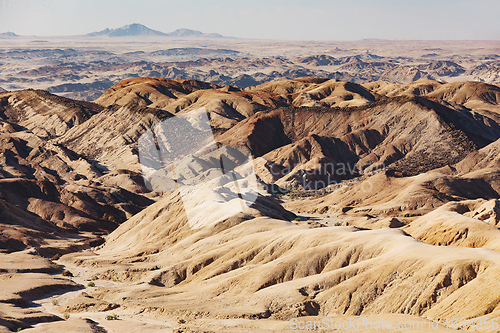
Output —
(262, 19)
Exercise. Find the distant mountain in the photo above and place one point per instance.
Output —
(129, 30)
(141, 30)
(192, 33)
(8, 34)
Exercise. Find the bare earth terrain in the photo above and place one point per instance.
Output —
(83, 67)
(378, 186)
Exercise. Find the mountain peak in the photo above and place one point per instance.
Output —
(8, 34)
(137, 29)
(185, 32)
(134, 29)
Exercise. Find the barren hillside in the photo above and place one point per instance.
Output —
(378, 200)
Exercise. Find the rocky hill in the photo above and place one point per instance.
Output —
(378, 200)
(113, 55)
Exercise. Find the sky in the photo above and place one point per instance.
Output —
(262, 19)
